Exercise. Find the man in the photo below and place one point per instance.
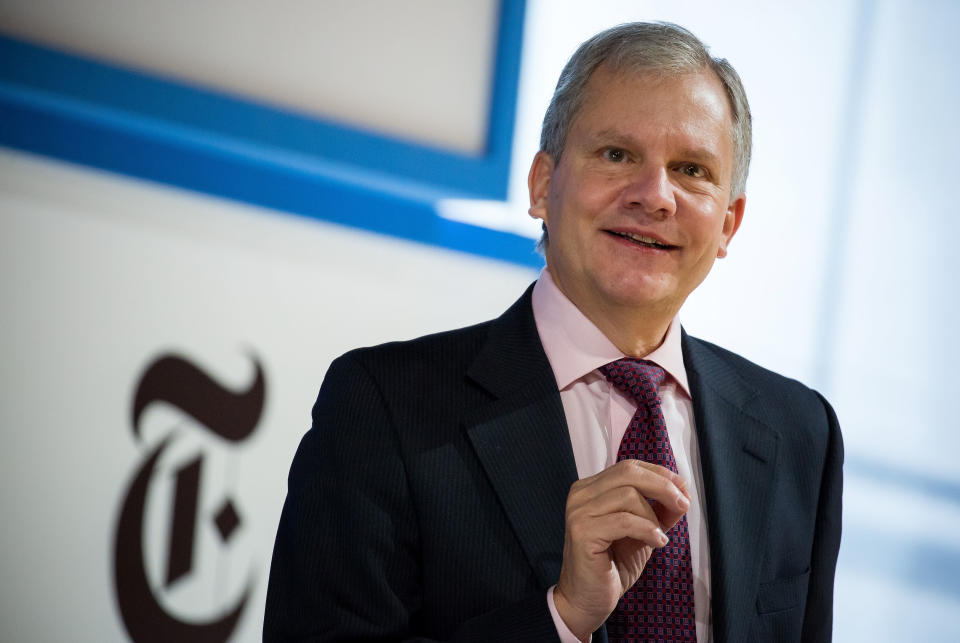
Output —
(578, 467)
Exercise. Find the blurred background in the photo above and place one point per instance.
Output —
(202, 204)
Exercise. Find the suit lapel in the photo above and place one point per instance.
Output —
(738, 454)
(521, 437)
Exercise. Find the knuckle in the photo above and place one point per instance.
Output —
(577, 530)
(628, 494)
(624, 466)
(574, 495)
(668, 484)
(638, 471)
(628, 466)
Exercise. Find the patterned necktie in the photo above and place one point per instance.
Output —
(659, 607)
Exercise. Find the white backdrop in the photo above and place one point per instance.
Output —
(302, 56)
(100, 276)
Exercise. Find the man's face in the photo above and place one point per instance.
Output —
(639, 204)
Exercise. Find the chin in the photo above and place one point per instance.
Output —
(640, 300)
(640, 292)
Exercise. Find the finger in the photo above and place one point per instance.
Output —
(652, 481)
(659, 484)
(625, 498)
(667, 517)
(629, 466)
(599, 533)
(664, 490)
(678, 481)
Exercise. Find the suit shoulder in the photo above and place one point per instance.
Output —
(778, 390)
(452, 349)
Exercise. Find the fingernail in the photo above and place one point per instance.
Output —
(682, 502)
(661, 537)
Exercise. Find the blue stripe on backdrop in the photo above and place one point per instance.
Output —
(117, 91)
(140, 125)
(921, 483)
(254, 180)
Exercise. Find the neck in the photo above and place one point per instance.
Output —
(637, 333)
(635, 330)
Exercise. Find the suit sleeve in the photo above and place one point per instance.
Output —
(818, 619)
(346, 562)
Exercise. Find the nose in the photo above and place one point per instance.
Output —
(649, 189)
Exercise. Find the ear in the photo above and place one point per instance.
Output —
(538, 182)
(731, 223)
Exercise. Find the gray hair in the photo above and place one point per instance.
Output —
(660, 47)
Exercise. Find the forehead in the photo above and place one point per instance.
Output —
(691, 107)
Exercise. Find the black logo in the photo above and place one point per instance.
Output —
(232, 417)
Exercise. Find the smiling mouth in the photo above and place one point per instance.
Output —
(641, 240)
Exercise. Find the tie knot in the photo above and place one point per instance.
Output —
(637, 378)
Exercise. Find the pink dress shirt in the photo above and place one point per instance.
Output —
(598, 415)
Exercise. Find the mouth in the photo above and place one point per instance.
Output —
(642, 240)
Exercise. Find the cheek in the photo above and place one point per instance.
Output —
(710, 244)
(708, 224)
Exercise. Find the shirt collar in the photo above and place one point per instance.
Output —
(575, 346)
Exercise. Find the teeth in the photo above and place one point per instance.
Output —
(642, 239)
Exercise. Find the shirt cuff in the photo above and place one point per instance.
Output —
(566, 636)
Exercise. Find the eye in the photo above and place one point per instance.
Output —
(614, 154)
(693, 170)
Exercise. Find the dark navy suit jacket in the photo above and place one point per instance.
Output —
(427, 501)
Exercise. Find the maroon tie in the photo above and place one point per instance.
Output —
(659, 606)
